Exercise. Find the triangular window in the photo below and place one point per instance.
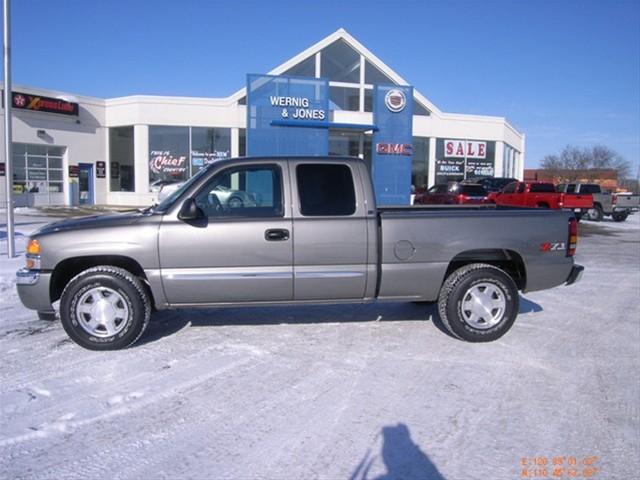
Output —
(340, 63)
(306, 68)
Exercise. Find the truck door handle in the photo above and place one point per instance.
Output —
(276, 235)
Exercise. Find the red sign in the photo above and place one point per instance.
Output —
(3, 169)
(394, 149)
(38, 103)
(464, 148)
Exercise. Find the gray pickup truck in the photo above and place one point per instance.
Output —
(619, 207)
(311, 233)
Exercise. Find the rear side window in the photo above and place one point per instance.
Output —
(542, 188)
(511, 188)
(325, 189)
(590, 188)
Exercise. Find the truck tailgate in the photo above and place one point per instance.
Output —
(577, 200)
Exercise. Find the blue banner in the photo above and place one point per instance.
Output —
(287, 115)
(393, 144)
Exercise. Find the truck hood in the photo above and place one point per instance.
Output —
(94, 221)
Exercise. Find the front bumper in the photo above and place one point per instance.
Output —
(33, 289)
(575, 275)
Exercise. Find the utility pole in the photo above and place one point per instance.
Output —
(7, 128)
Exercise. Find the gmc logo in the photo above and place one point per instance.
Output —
(394, 149)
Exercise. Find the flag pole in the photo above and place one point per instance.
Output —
(7, 128)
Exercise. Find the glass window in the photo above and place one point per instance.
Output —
(252, 191)
(368, 100)
(209, 145)
(36, 149)
(420, 163)
(344, 98)
(418, 109)
(18, 161)
(168, 154)
(542, 188)
(55, 162)
(37, 162)
(340, 63)
(242, 143)
(306, 68)
(55, 151)
(344, 143)
(121, 158)
(325, 189)
(511, 188)
(242, 101)
(373, 76)
(55, 174)
(521, 187)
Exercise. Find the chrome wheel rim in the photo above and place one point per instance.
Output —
(592, 214)
(102, 312)
(483, 306)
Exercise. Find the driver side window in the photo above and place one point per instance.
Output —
(252, 191)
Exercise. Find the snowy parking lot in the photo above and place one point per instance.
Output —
(335, 392)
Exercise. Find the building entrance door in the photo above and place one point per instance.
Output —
(85, 182)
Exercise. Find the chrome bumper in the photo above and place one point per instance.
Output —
(27, 277)
(575, 275)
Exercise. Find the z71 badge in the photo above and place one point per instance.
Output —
(552, 246)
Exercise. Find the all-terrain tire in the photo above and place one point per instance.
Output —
(461, 286)
(48, 316)
(619, 216)
(595, 214)
(131, 296)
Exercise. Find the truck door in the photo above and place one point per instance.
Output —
(241, 251)
(330, 231)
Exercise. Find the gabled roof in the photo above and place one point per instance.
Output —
(342, 34)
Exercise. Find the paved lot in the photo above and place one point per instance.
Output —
(345, 392)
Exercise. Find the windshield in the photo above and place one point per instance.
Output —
(170, 200)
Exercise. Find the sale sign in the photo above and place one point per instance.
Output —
(465, 149)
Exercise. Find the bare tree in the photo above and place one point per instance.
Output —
(575, 163)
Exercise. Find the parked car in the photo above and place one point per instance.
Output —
(452, 194)
(313, 235)
(541, 195)
(491, 184)
(604, 203)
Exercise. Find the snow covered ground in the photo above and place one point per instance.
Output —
(344, 392)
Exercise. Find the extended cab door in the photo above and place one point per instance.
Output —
(241, 250)
(330, 242)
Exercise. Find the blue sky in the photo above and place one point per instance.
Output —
(562, 72)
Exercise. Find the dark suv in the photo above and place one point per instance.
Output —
(452, 194)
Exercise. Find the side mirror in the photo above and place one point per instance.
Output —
(190, 210)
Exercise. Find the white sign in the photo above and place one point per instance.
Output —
(301, 108)
(464, 148)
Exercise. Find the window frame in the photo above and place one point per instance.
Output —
(279, 201)
(352, 174)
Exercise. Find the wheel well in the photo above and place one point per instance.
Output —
(597, 204)
(508, 260)
(70, 267)
(543, 205)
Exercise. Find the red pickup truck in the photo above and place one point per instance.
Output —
(541, 195)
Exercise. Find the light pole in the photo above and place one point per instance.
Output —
(7, 128)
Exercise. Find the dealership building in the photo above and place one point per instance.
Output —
(334, 98)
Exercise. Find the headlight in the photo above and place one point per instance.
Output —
(33, 255)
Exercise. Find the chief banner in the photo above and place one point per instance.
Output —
(287, 115)
(393, 144)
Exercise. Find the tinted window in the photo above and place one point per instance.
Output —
(511, 188)
(325, 189)
(473, 190)
(571, 188)
(542, 188)
(590, 188)
(253, 191)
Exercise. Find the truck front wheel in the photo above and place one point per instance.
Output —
(105, 308)
(478, 303)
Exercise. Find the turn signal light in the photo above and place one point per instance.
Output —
(33, 247)
(573, 237)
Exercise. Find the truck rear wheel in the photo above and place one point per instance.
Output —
(478, 303)
(105, 308)
(619, 216)
(595, 214)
